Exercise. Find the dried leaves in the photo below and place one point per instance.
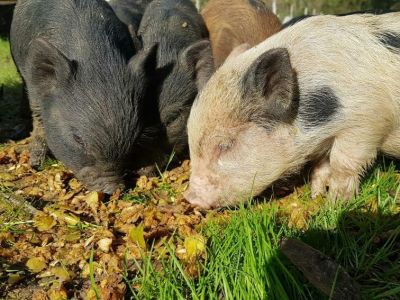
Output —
(55, 245)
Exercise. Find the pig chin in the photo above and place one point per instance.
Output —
(100, 180)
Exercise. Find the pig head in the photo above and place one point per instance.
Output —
(311, 93)
(229, 126)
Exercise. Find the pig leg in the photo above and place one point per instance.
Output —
(38, 146)
(320, 177)
(348, 159)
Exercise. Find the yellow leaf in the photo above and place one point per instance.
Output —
(59, 294)
(136, 236)
(7, 177)
(195, 245)
(44, 222)
(14, 278)
(74, 184)
(91, 295)
(36, 265)
(72, 236)
(93, 200)
(71, 219)
(61, 273)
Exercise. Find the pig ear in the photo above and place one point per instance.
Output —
(272, 82)
(198, 60)
(238, 50)
(144, 63)
(49, 65)
(135, 38)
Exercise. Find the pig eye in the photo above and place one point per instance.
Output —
(78, 139)
(223, 147)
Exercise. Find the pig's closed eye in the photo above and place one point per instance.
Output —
(224, 147)
(78, 139)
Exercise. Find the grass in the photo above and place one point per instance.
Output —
(9, 80)
(243, 260)
(8, 72)
(14, 112)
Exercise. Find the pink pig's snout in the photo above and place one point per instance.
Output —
(202, 193)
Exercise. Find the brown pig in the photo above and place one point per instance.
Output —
(234, 22)
(325, 90)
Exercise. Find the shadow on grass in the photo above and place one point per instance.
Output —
(287, 186)
(15, 120)
(366, 245)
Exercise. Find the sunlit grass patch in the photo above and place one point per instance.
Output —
(244, 262)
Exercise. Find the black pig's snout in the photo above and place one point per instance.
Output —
(98, 179)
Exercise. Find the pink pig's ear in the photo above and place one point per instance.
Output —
(272, 85)
(237, 50)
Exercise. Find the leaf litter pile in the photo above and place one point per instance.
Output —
(59, 241)
(65, 241)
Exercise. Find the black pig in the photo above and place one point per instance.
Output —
(184, 62)
(85, 86)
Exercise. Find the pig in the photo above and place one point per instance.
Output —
(324, 91)
(184, 59)
(86, 84)
(235, 22)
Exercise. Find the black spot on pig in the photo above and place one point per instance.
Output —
(270, 88)
(390, 40)
(318, 107)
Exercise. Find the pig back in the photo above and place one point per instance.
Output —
(234, 22)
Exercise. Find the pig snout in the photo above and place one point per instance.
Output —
(202, 193)
(101, 180)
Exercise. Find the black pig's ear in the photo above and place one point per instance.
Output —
(144, 63)
(49, 66)
(135, 38)
(272, 83)
(198, 60)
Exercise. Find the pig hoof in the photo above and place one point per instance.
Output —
(38, 154)
(343, 189)
(318, 188)
(320, 179)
